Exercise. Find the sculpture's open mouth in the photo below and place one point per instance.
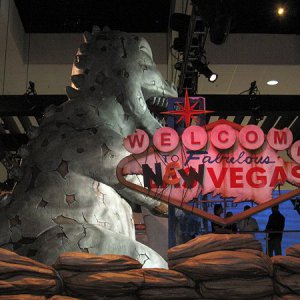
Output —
(156, 92)
(158, 101)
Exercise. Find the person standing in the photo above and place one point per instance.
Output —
(218, 210)
(276, 223)
(249, 224)
(232, 228)
(217, 228)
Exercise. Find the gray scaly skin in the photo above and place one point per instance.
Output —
(68, 197)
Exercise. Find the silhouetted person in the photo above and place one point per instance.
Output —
(275, 223)
(232, 228)
(216, 228)
(218, 210)
(249, 224)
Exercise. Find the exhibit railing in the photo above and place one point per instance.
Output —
(289, 238)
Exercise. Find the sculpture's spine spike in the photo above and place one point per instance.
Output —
(106, 29)
(80, 61)
(72, 93)
(33, 132)
(83, 48)
(96, 29)
(87, 37)
(78, 80)
(23, 151)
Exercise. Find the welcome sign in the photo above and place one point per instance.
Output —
(222, 158)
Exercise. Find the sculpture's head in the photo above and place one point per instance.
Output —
(119, 64)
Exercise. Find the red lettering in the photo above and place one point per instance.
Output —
(261, 181)
(280, 137)
(222, 132)
(234, 177)
(165, 139)
(254, 139)
(296, 171)
(193, 142)
(136, 138)
(251, 137)
(223, 136)
(217, 181)
(194, 137)
(170, 176)
(295, 152)
(136, 143)
(279, 176)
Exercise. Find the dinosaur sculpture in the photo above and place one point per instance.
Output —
(68, 197)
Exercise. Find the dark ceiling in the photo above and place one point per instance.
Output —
(49, 16)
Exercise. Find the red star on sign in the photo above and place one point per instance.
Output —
(187, 112)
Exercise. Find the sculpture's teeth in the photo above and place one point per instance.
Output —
(78, 80)
(80, 61)
(158, 101)
(163, 102)
(72, 93)
(87, 37)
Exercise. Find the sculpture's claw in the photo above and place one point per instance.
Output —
(160, 211)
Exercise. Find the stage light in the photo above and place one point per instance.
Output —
(180, 23)
(272, 82)
(213, 77)
(207, 72)
(280, 11)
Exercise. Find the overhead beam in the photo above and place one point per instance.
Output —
(22, 105)
(225, 105)
(237, 105)
(12, 142)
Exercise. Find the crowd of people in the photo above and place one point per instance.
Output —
(274, 228)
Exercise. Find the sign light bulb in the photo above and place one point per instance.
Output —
(280, 11)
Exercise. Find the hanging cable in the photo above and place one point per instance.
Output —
(6, 45)
(29, 87)
(27, 66)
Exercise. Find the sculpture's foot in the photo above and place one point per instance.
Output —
(89, 238)
(161, 210)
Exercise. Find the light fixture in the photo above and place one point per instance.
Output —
(180, 22)
(31, 89)
(272, 82)
(213, 77)
(207, 72)
(280, 11)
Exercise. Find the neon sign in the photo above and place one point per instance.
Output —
(222, 158)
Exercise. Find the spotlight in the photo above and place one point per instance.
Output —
(207, 72)
(213, 77)
(280, 11)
